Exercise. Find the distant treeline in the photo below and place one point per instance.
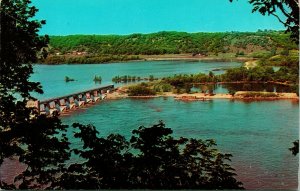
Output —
(86, 59)
(171, 43)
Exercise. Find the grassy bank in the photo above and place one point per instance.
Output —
(126, 92)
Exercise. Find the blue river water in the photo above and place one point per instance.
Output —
(52, 76)
(258, 133)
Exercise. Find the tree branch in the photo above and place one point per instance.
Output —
(279, 19)
(280, 6)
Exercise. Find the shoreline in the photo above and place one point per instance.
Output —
(204, 97)
(120, 93)
(189, 57)
(166, 57)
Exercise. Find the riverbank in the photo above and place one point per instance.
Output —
(120, 93)
(105, 59)
(190, 57)
(251, 64)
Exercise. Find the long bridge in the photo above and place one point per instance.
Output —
(62, 104)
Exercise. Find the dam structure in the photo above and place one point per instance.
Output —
(63, 104)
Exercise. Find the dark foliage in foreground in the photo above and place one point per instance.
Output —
(295, 148)
(152, 159)
(23, 135)
(45, 149)
(19, 44)
(286, 12)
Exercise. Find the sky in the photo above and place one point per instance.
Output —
(67, 17)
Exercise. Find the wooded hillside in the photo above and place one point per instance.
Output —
(172, 43)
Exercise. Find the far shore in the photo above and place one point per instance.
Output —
(164, 57)
(189, 57)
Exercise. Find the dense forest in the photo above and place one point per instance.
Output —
(104, 48)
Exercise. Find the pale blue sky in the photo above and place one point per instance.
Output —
(66, 17)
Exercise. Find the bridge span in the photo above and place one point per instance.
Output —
(62, 104)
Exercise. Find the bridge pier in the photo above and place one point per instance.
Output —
(71, 102)
(79, 100)
(96, 96)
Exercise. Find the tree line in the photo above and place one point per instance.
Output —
(86, 59)
(182, 83)
(288, 75)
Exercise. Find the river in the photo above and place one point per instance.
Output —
(258, 133)
(52, 76)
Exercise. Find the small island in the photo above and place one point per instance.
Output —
(97, 79)
(68, 79)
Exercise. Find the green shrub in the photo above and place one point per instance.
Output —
(68, 79)
(140, 90)
(259, 94)
(166, 87)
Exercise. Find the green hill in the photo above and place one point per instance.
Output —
(105, 48)
(172, 43)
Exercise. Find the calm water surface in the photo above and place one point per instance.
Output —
(258, 134)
